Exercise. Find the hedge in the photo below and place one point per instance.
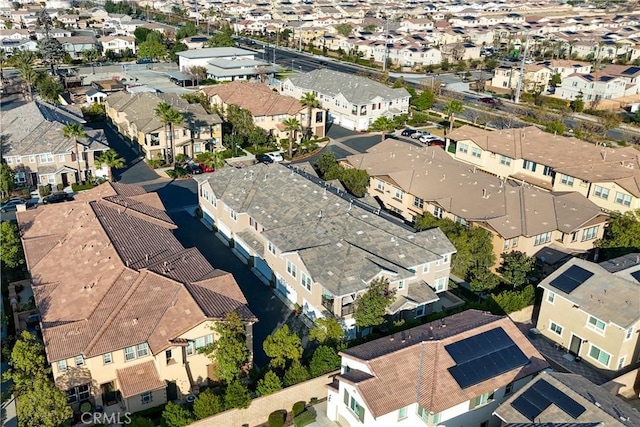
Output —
(298, 408)
(80, 187)
(44, 190)
(277, 418)
(304, 419)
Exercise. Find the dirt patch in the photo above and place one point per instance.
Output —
(522, 316)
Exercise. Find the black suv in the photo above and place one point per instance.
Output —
(263, 158)
(56, 198)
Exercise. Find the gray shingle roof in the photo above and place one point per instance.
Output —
(214, 52)
(356, 89)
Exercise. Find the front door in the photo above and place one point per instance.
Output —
(65, 179)
(574, 347)
(109, 396)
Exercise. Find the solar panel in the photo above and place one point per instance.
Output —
(636, 275)
(484, 356)
(572, 278)
(631, 70)
(537, 398)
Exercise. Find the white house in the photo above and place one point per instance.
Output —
(225, 63)
(592, 87)
(118, 44)
(94, 96)
(450, 372)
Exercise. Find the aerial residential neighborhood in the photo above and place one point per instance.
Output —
(326, 214)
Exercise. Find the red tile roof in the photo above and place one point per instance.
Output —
(139, 378)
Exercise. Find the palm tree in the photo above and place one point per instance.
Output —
(310, 101)
(169, 117)
(291, 125)
(91, 56)
(74, 131)
(452, 108)
(382, 125)
(112, 160)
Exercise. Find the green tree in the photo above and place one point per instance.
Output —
(209, 158)
(354, 180)
(452, 108)
(291, 125)
(296, 374)
(75, 131)
(229, 351)
(43, 405)
(169, 116)
(577, 105)
(371, 306)
(152, 49)
(271, 383)
(49, 88)
(11, 254)
(326, 161)
(609, 120)
(516, 268)
(344, 29)
(556, 127)
(383, 125)
(282, 345)
(137, 421)
(490, 64)
(90, 57)
(398, 83)
(622, 235)
(327, 330)
(310, 101)
(556, 80)
(29, 76)
(50, 48)
(221, 39)
(110, 159)
(240, 119)
(424, 101)
(325, 359)
(175, 415)
(258, 137)
(237, 396)
(155, 37)
(207, 404)
(179, 47)
(141, 34)
(27, 362)
(7, 181)
(189, 30)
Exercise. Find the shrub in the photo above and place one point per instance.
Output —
(325, 359)
(304, 419)
(44, 190)
(60, 187)
(277, 418)
(511, 301)
(271, 383)
(237, 396)
(295, 374)
(81, 187)
(178, 172)
(207, 404)
(298, 408)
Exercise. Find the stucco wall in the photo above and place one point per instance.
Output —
(261, 407)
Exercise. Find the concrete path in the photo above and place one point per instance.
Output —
(321, 416)
(8, 415)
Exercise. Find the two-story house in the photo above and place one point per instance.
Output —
(318, 249)
(124, 307)
(609, 177)
(35, 147)
(593, 87)
(450, 372)
(134, 117)
(593, 311)
(353, 102)
(225, 63)
(555, 398)
(118, 44)
(267, 107)
(565, 67)
(75, 46)
(411, 181)
(536, 77)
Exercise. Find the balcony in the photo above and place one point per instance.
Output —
(348, 309)
(327, 302)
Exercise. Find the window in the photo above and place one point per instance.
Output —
(400, 284)
(190, 348)
(506, 161)
(460, 220)
(233, 215)
(46, 158)
(440, 284)
(547, 171)
(555, 328)
(79, 360)
(437, 212)
(621, 362)
(20, 178)
(306, 281)
(601, 192)
(399, 194)
(590, 233)
(130, 353)
(463, 148)
(9, 160)
(623, 199)
(506, 245)
(574, 237)
(551, 297)
(514, 242)
(146, 397)
(357, 409)
(62, 366)
(508, 389)
(319, 116)
(483, 399)
(425, 268)
(143, 349)
(253, 223)
(418, 202)
(292, 269)
(595, 324)
(436, 418)
(32, 159)
(445, 259)
(19, 160)
(420, 310)
(61, 157)
(271, 248)
(402, 413)
(380, 185)
(168, 355)
(78, 394)
(600, 355)
(106, 358)
(423, 413)
(566, 180)
(476, 152)
(628, 333)
(529, 165)
(543, 238)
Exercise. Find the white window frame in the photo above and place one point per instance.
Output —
(628, 333)
(380, 185)
(621, 361)
(420, 310)
(542, 238)
(305, 281)
(400, 284)
(623, 199)
(79, 361)
(62, 365)
(9, 160)
(107, 359)
(445, 258)
(399, 194)
(463, 148)
(130, 353)
(271, 248)
(601, 192)
(600, 352)
(553, 327)
(62, 158)
(594, 325)
(476, 152)
(233, 215)
(142, 350)
(292, 269)
(48, 158)
(402, 413)
(425, 268)
(437, 212)
(440, 284)
(146, 397)
(18, 160)
(551, 297)
(590, 233)
(32, 159)
(567, 180)
(505, 161)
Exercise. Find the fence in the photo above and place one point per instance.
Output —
(261, 407)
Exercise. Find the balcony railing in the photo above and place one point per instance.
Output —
(328, 304)
(348, 309)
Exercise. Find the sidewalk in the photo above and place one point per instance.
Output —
(321, 416)
(8, 415)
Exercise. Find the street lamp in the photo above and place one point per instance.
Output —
(292, 64)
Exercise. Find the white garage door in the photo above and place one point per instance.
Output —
(224, 230)
(347, 123)
(286, 289)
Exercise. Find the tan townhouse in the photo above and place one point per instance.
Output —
(535, 79)
(593, 311)
(124, 308)
(566, 67)
(35, 147)
(134, 117)
(609, 177)
(268, 108)
(411, 181)
(320, 250)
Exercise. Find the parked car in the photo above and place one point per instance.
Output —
(264, 158)
(436, 143)
(426, 138)
(276, 157)
(489, 101)
(144, 61)
(194, 169)
(419, 133)
(407, 132)
(12, 204)
(206, 169)
(57, 198)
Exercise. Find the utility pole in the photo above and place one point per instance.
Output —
(386, 39)
(516, 99)
(276, 45)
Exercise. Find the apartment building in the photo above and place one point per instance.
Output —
(319, 250)
(608, 177)
(35, 147)
(411, 181)
(134, 117)
(450, 372)
(225, 63)
(593, 311)
(352, 102)
(268, 108)
(555, 398)
(536, 77)
(124, 307)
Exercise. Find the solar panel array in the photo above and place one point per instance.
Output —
(631, 71)
(537, 398)
(484, 356)
(572, 278)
